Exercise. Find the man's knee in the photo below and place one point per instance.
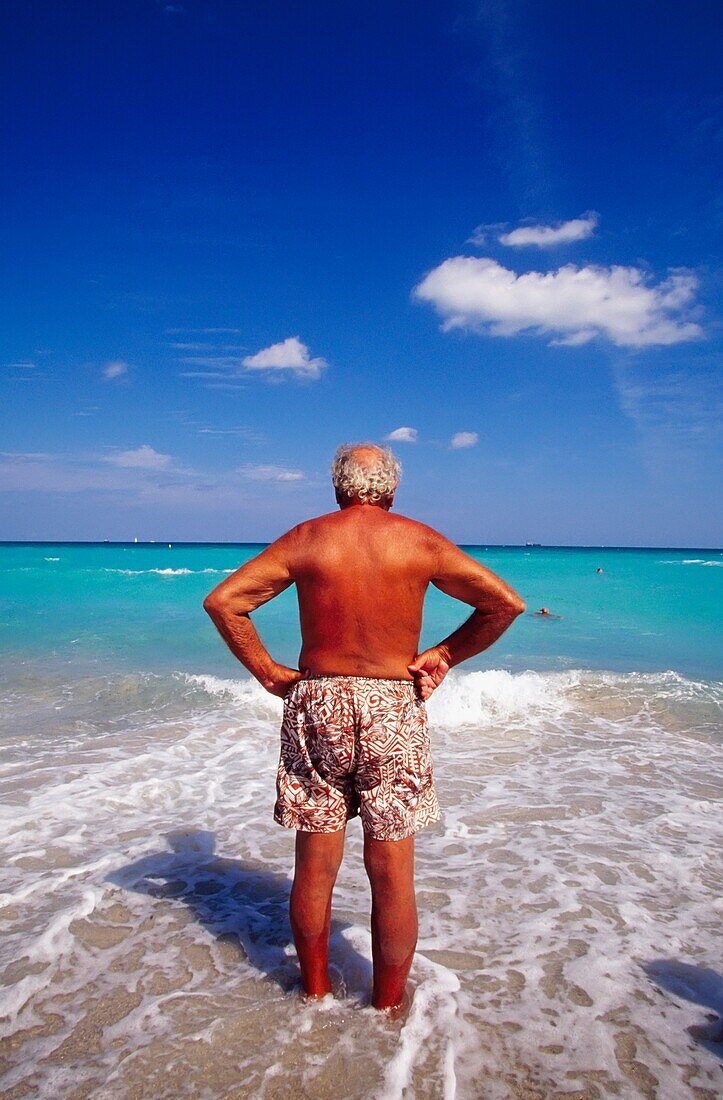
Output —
(389, 863)
(319, 855)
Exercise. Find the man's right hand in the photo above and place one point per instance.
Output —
(283, 679)
(429, 669)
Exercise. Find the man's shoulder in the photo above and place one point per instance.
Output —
(417, 529)
(307, 529)
(313, 524)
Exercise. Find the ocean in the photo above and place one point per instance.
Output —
(570, 901)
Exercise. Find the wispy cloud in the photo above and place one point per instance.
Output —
(460, 440)
(115, 369)
(142, 458)
(675, 404)
(288, 355)
(142, 478)
(213, 361)
(202, 331)
(678, 418)
(573, 304)
(26, 370)
(483, 234)
(514, 111)
(51, 473)
(270, 473)
(248, 435)
(403, 435)
(546, 236)
(26, 456)
(203, 374)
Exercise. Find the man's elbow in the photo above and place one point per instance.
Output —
(214, 604)
(220, 605)
(514, 606)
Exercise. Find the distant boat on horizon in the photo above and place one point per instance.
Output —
(533, 544)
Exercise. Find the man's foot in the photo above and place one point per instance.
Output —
(397, 1011)
(316, 990)
(313, 998)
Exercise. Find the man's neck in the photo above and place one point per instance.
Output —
(380, 505)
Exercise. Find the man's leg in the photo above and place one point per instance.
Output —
(318, 857)
(390, 866)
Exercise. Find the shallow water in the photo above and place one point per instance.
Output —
(570, 901)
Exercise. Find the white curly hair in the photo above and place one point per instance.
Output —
(368, 480)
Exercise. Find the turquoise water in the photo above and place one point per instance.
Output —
(139, 607)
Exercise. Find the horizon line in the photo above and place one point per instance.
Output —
(262, 542)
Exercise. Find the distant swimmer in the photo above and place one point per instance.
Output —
(545, 613)
(600, 569)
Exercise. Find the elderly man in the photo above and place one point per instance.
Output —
(354, 734)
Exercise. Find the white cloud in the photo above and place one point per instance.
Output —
(142, 458)
(403, 435)
(463, 439)
(115, 369)
(545, 236)
(270, 473)
(572, 304)
(289, 354)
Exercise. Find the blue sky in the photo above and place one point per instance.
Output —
(237, 234)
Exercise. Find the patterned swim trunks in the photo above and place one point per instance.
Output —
(352, 745)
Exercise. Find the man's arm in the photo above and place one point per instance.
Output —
(496, 607)
(230, 605)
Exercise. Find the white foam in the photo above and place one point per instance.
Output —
(246, 694)
(691, 561)
(51, 559)
(495, 696)
(182, 572)
(145, 891)
(433, 1018)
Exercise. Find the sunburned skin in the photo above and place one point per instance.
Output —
(361, 575)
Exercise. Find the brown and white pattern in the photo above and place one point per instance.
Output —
(351, 745)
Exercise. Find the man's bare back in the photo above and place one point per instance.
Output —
(361, 576)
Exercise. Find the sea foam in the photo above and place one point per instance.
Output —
(168, 572)
(573, 880)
